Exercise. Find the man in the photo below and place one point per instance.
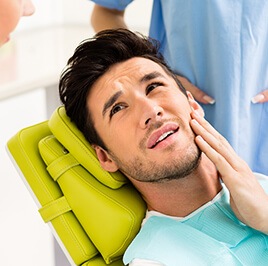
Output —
(212, 44)
(130, 106)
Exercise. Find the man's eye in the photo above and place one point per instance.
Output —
(152, 87)
(116, 108)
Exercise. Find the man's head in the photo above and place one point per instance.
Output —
(91, 60)
(130, 106)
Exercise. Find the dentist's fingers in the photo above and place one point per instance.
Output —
(261, 97)
(198, 94)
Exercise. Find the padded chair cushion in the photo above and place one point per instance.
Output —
(74, 141)
(23, 148)
(111, 218)
(93, 215)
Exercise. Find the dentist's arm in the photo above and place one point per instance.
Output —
(103, 18)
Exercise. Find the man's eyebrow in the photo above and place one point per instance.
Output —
(151, 76)
(114, 97)
(111, 101)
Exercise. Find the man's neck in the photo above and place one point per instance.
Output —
(183, 196)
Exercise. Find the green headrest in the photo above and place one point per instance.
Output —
(111, 218)
(74, 141)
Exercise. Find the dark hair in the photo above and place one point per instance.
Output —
(91, 59)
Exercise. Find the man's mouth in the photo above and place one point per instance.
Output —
(161, 135)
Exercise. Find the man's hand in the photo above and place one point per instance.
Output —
(198, 94)
(261, 97)
(248, 199)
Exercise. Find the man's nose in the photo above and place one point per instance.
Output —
(150, 111)
(28, 8)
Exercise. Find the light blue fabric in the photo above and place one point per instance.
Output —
(213, 236)
(222, 47)
(113, 4)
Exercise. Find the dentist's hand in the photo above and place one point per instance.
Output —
(198, 94)
(261, 97)
(248, 199)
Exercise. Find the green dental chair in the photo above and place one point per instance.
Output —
(94, 215)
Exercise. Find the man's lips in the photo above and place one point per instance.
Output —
(161, 134)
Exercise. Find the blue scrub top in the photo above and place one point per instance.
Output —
(221, 47)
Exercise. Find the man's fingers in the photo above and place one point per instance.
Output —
(216, 145)
(211, 135)
(222, 165)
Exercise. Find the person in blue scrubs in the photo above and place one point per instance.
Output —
(142, 122)
(221, 47)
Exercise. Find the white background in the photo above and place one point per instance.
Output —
(24, 238)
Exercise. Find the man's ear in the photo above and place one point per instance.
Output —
(194, 104)
(106, 162)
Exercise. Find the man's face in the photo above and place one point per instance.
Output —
(143, 119)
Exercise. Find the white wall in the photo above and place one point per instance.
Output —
(50, 12)
(24, 238)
